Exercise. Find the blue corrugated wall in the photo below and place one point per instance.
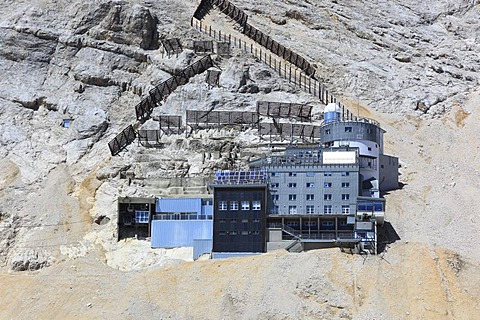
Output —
(180, 233)
(179, 205)
(201, 246)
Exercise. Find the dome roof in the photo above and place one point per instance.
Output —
(332, 107)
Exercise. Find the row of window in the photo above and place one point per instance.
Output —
(348, 129)
(234, 233)
(314, 224)
(311, 174)
(245, 205)
(242, 220)
(309, 185)
(310, 197)
(327, 209)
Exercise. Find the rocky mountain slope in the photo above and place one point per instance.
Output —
(410, 65)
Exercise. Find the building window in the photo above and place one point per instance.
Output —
(310, 209)
(233, 221)
(223, 220)
(275, 174)
(256, 220)
(275, 197)
(292, 197)
(256, 205)
(327, 184)
(292, 209)
(274, 185)
(327, 174)
(244, 220)
(327, 224)
(221, 233)
(245, 205)
(310, 197)
(292, 174)
(244, 233)
(327, 131)
(233, 233)
(345, 196)
(141, 216)
(345, 210)
(327, 197)
(222, 205)
(233, 205)
(310, 185)
(292, 185)
(310, 174)
(369, 149)
(348, 129)
(327, 209)
(256, 233)
(345, 173)
(345, 184)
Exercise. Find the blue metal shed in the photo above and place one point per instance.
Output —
(180, 233)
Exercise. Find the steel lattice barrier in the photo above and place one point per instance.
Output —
(161, 91)
(122, 140)
(284, 110)
(196, 117)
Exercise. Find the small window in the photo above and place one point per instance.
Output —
(275, 197)
(141, 216)
(327, 223)
(327, 209)
(275, 174)
(348, 129)
(256, 220)
(234, 205)
(310, 197)
(345, 196)
(345, 184)
(327, 131)
(310, 209)
(327, 197)
(292, 209)
(256, 205)
(345, 173)
(244, 220)
(310, 185)
(221, 233)
(244, 233)
(222, 205)
(327, 184)
(292, 185)
(245, 205)
(327, 174)
(223, 220)
(233, 221)
(255, 233)
(292, 174)
(292, 197)
(233, 233)
(310, 174)
(369, 149)
(274, 185)
(345, 210)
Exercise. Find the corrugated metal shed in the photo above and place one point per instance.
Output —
(180, 233)
(179, 205)
(201, 246)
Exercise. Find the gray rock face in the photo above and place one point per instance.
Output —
(125, 25)
(30, 260)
